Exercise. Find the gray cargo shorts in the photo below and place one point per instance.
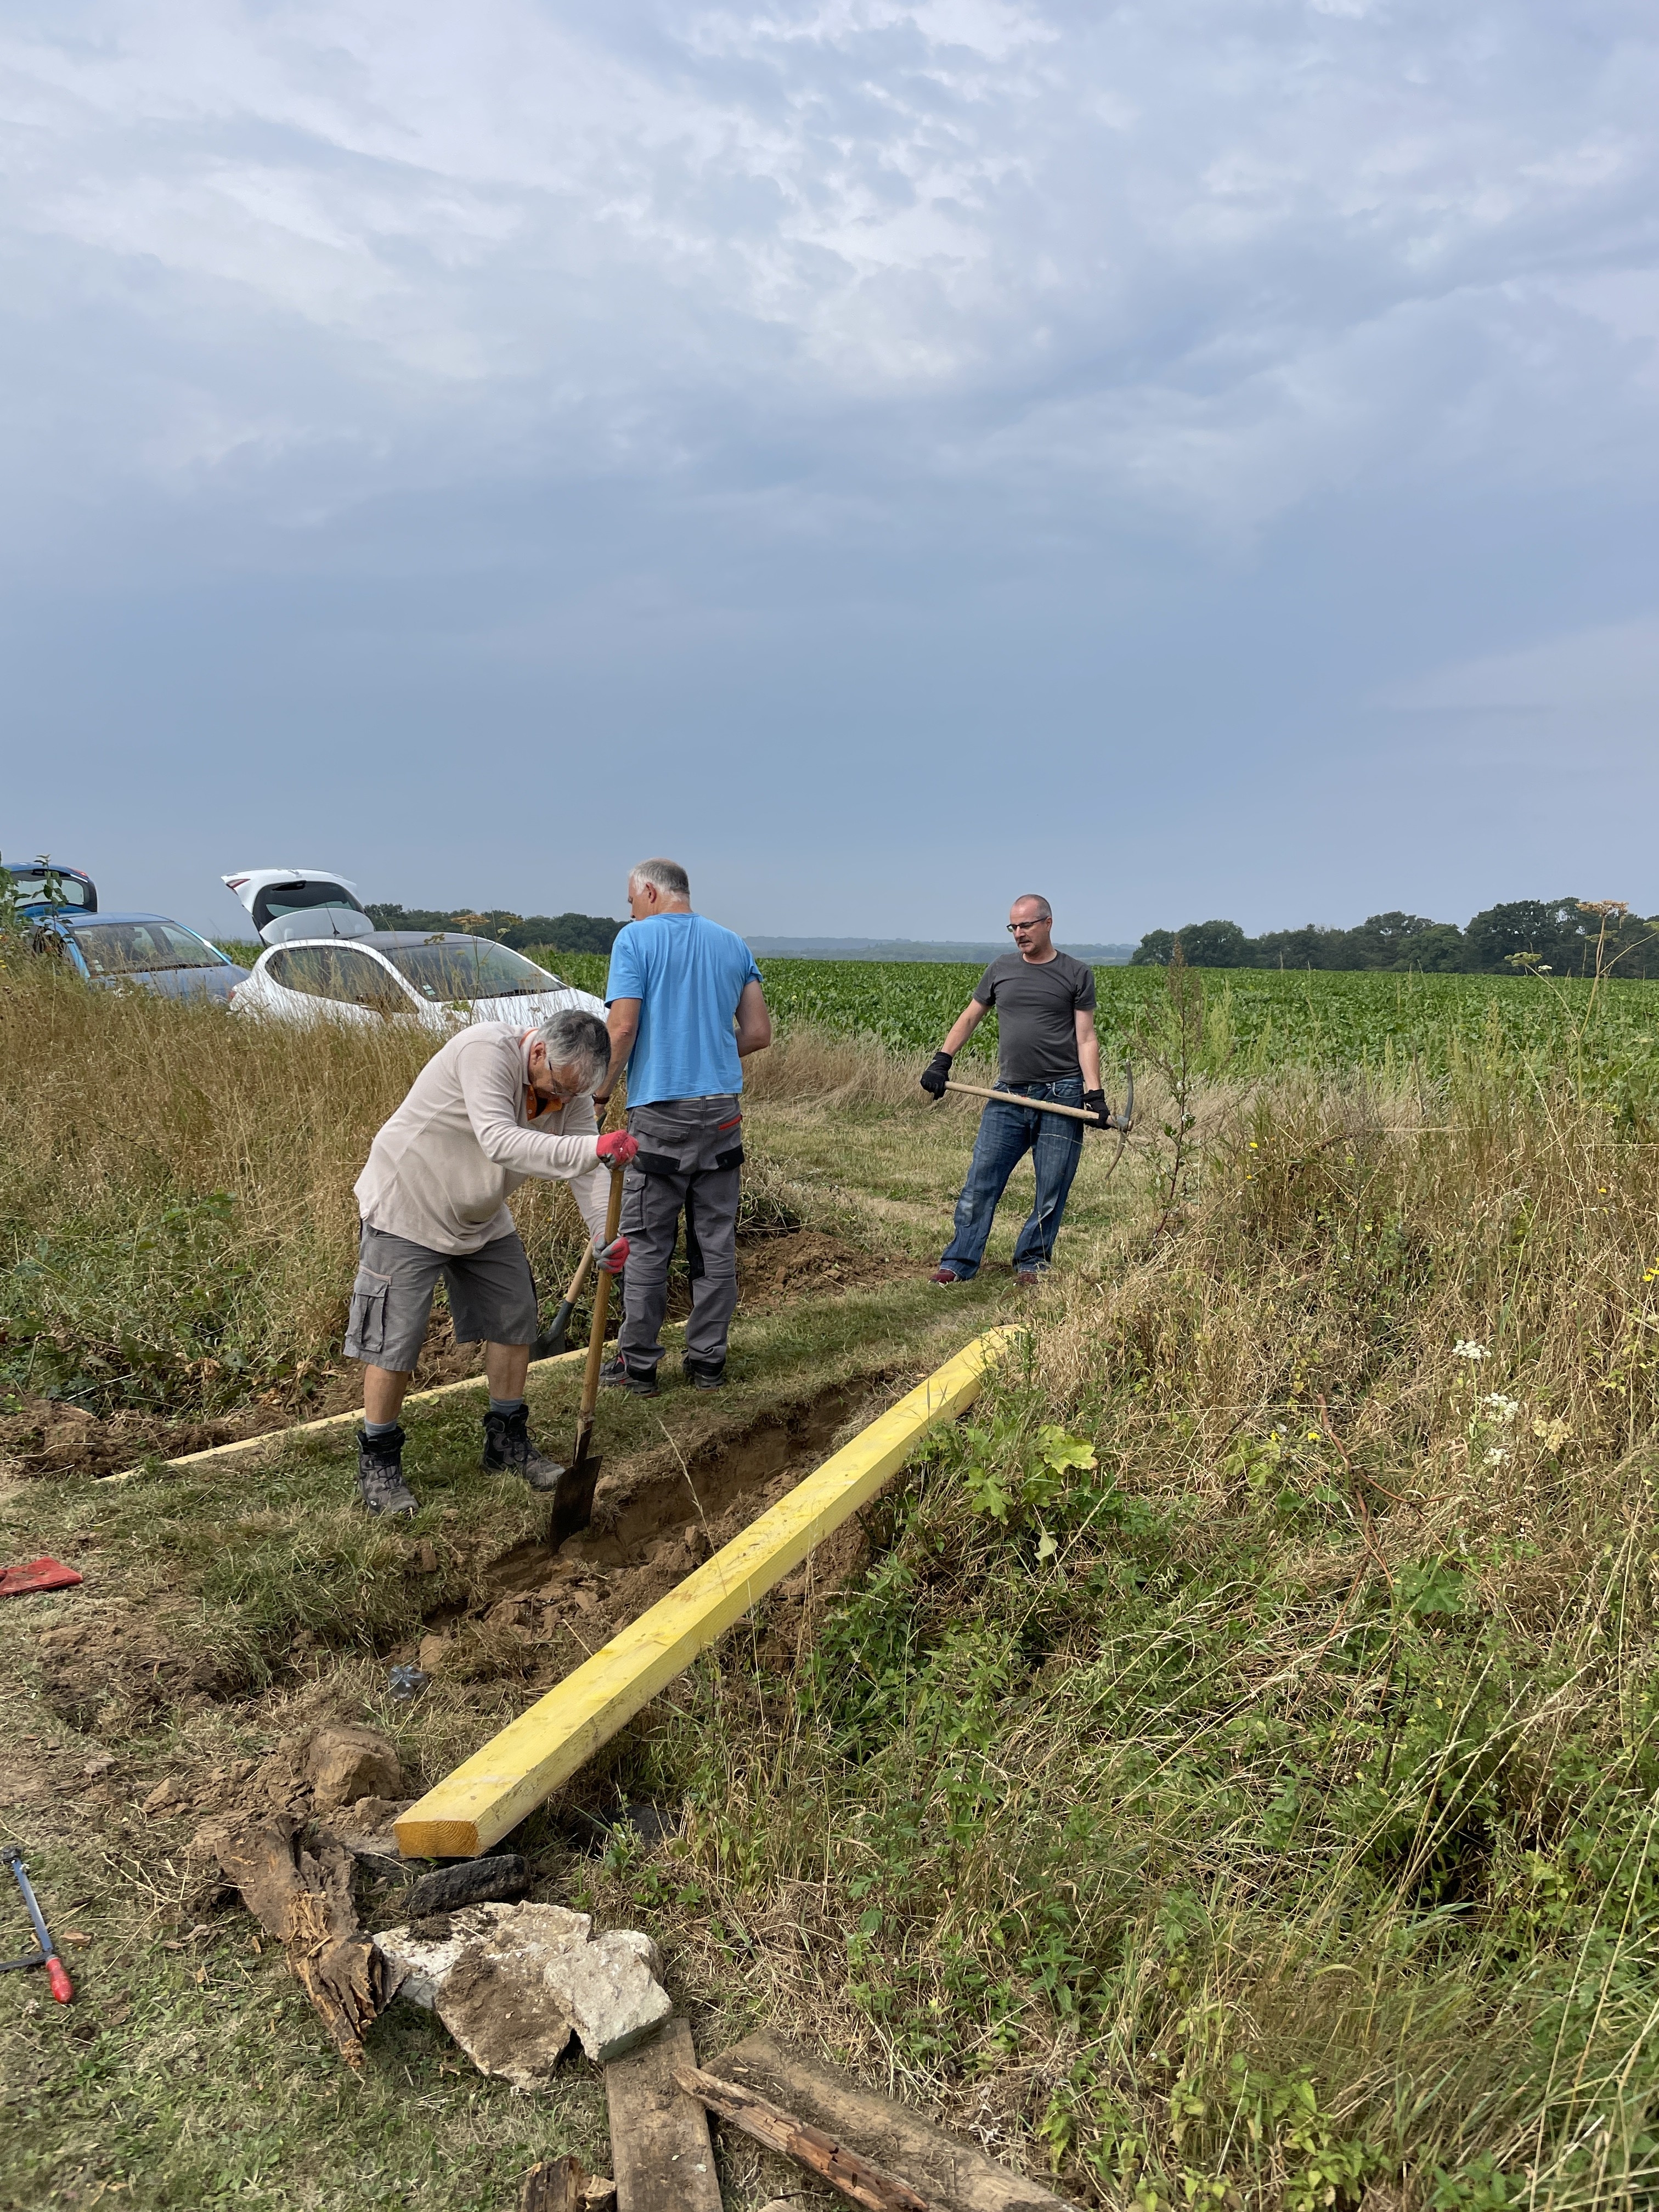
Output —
(492, 1297)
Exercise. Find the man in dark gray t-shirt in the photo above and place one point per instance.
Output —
(1046, 1048)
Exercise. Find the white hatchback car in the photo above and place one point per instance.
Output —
(438, 982)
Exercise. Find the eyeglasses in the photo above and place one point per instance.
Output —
(1015, 927)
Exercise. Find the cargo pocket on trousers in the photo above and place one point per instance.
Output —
(656, 1163)
(732, 1159)
(365, 1337)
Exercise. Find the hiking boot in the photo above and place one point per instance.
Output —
(943, 1275)
(1027, 1278)
(704, 1374)
(618, 1375)
(507, 1450)
(381, 1473)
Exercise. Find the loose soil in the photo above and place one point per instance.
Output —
(539, 1612)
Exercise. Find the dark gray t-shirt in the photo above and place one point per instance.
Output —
(1038, 1003)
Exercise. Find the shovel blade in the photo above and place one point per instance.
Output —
(573, 1501)
(551, 1341)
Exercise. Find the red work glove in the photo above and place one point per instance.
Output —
(613, 1258)
(617, 1145)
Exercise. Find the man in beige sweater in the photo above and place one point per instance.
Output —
(495, 1106)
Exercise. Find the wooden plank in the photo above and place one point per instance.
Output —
(951, 2174)
(843, 2169)
(660, 2151)
(244, 1444)
(491, 1792)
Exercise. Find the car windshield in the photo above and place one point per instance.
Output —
(468, 968)
(44, 887)
(140, 948)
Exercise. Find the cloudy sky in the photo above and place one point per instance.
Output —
(1194, 458)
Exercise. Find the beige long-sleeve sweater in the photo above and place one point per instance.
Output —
(440, 1172)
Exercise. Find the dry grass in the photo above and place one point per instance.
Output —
(176, 1188)
(1267, 1817)
(833, 1070)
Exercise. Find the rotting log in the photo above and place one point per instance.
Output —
(953, 2175)
(820, 2154)
(491, 1792)
(555, 2185)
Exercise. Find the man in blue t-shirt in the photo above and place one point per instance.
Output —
(686, 1008)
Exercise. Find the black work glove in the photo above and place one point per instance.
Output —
(1094, 1102)
(934, 1076)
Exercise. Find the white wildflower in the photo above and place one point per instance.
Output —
(1497, 1456)
(1503, 1410)
(1467, 1349)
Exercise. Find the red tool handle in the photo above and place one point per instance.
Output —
(57, 1977)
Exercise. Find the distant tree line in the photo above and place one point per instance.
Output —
(562, 933)
(1559, 937)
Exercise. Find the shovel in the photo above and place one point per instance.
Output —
(573, 1501)
(551, 1341)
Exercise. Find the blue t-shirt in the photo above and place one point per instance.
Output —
(688, 975)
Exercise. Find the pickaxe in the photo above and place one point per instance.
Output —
(1123, 1122)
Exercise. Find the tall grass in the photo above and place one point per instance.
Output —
(1238, 1774)
(177, 1224)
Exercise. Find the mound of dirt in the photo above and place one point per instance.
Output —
(110, 1671)
(775, 1271)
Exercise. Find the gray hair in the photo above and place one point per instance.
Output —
(669, 878)
(577, 1043)
(1036, 898)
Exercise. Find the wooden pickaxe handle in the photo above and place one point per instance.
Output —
(1037, 1105)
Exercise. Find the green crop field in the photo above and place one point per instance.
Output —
(1254, 1020)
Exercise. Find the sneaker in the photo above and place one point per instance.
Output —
(943, 1275)
(618, 1375)
(1027, 1278)
(507, 1450)
(380, 1482)
(702, 1376)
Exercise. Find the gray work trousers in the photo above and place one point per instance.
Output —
(689, 1161)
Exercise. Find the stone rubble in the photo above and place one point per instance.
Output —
(514, 1983)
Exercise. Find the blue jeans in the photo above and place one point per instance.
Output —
(1006, 1135)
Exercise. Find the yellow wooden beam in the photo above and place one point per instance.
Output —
(490, 1793)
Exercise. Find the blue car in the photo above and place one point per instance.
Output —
(113, 950)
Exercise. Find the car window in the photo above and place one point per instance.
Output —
(272, 900)
(469, 968)
(301, 967)
(141, 948)
(364, 983)
(337, 972)
(34, 886)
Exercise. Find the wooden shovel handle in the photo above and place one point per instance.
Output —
(579, 1281)
(601, 1307)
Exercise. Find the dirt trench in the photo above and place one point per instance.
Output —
(538, 1612)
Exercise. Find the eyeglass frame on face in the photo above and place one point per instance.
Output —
(1014, 927)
